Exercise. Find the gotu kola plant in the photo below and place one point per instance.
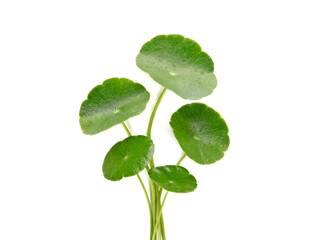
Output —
(178, 64)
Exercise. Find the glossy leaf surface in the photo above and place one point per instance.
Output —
(128, 157)
(111, 103)
(201, 132)
(178, 64)
(173, 178)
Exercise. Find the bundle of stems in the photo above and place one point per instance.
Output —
(154, 198)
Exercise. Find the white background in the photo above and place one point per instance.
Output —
(52, 53)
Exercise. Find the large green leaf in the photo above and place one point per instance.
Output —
(178, 64)
(201, 132)
(128, 157)
(111, 103)
(173, 178)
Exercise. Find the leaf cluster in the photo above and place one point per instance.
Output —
(178, 64)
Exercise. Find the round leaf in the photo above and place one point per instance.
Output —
(201, 132)
(128, 157)
(111, 103)
(178, 64)
(173, 178)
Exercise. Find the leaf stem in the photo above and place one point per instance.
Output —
(154, 191)
(154, 112)
(152, 118)
(149, 205)
(144, 188)
(159, 197)
(159, 217)
(126, 129)
(162, 227)
(158, 213)
(145, 191)
(154, 205)
(181, 159)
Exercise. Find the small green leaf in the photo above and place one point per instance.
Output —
(178, 64)
(173, 178)
(111, 103)
(128, 157)
(201, 132)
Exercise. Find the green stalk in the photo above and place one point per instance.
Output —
(154, 191)
(149, 205)
(159, 199)
(126, 129)
(151, 119)
(144, 188)
(154, 112)
(159, 218)
(158, 213)
(162, 228)
(154, 205)
(181, 159)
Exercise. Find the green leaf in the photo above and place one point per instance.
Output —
(178, 64)
(173, 178)
(128, 157)
(111, 103)
(201, 132)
